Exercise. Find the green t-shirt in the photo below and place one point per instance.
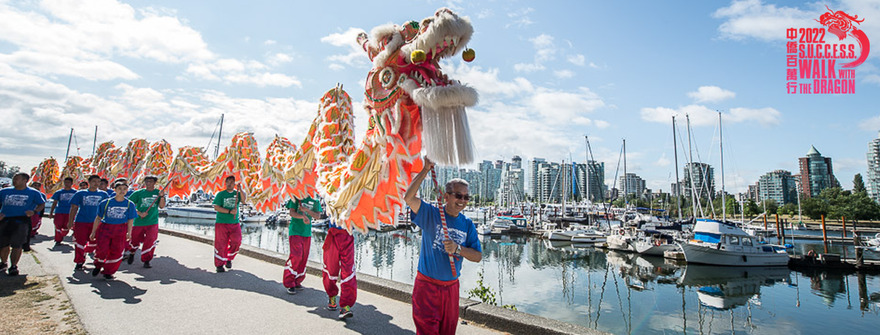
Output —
(298, 227)
(142, 200)
(228, 200)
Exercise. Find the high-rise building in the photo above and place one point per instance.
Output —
(632, 184)
(702, 182)
(510, 192)
(516, 162)
(778, 185)
(533, 180)
(872, 183)
(590, 180)
(816, 173)
(548, 188)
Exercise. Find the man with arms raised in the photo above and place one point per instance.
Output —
(435, 291)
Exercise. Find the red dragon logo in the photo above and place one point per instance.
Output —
(841, 24)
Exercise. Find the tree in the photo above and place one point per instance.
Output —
(8, 171)
(752, 208)
(770, 205)
(858, 183)
(789, 209)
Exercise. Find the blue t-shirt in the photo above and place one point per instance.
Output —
(433, 259)
(16, 202)
(116, 212)
(62, 200)
(87, 202)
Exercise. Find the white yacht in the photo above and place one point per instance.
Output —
(589, 236)
(718, 243)
(565, 234)
(622, 239)
(655, 243)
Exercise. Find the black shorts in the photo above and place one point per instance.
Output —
(14, 231)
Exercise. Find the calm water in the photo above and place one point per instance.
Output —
(623, 293)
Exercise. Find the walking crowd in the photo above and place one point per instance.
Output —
(110, 225)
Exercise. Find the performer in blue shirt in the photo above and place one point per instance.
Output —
(60, 211)
(112, 227)
(17, 204)
(435, 291)
(83, 210)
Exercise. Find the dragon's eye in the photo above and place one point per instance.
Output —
(386, 77)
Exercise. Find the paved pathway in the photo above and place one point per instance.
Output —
(182, 294)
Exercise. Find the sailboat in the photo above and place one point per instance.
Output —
(717, 242)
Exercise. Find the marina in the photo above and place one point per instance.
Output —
(623, 293)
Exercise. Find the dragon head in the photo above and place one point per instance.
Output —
(406, 77)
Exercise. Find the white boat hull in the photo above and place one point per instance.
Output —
(620, 243)
(588, 239)
(701, 254)
(647, 248)
(205, 213)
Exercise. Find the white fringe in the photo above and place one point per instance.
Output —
(447, 136)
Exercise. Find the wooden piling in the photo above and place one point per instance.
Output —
(843, 219)
(765, 221)
(779, 236)
(824, 234)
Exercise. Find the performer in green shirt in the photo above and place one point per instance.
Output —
(148, 200)
(300, 235)
(227, 230)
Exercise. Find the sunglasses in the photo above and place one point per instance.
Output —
(460, 196)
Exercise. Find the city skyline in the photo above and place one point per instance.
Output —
(168, 70)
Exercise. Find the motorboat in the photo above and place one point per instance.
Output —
(565, 234)
(588, 236)
(654, 242)
(622, 239)
(206, 212)
(721, 243)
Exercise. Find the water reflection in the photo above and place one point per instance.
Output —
(622, 293)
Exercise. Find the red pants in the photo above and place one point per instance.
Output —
(36, 222)
(435, 305)
(146, 236)
(227, 240)
(82, 245)
(295, 271)
(339, 266)
(111, 243)
(61, 230)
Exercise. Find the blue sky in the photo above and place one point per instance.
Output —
(548, 73)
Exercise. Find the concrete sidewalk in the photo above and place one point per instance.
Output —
(182, 294)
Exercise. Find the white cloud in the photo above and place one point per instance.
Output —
(703, 116)
(270, 42)
(278, 59)
(871, 124)
(601, 124)
(578, 59)
(487, 82)
(527, 67)
(752, 18)
(520, 18)
(662, 161)
(238, 72)
(563, 74)
(711, 94)
(355, 55)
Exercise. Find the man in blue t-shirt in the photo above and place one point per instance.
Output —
(17, 204)
(435, 291)
(60, 211)
(83, 210)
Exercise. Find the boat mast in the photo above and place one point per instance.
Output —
(677, 180)
(625, 181)
(562, 186)
(69, 138)
(691, 168)
(721, 145)
(219, 136)
(587, 159)
(94, 142)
